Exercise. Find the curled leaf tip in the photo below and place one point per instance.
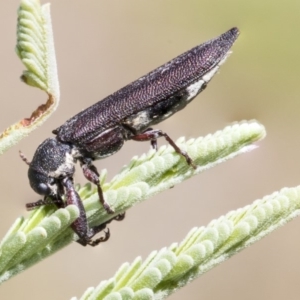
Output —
(40, 111)
(35, 48)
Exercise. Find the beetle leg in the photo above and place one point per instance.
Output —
(91, 174)
(101, 227)
(120, 217)
(152, 141)
(92, 232)
(153, 134)
(80, 225)
(46, 201)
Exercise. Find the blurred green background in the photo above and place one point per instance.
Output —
(102, 46)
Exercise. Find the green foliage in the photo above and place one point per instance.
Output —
(165, 271)
(35, 48)
(47, 230)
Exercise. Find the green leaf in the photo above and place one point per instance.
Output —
(35, 48)
(171, 268)
(46, 230)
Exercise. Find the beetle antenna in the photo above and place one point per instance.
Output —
(24, 158)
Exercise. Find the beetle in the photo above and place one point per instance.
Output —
(128, 114)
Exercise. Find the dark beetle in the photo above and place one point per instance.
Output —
(100, 130)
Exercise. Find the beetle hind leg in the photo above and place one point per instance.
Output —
(153, 134)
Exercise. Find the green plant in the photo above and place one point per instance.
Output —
(46, 230)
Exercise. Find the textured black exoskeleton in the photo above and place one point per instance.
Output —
(128, 114)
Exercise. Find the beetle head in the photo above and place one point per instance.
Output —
(51, 162)
(39, 181)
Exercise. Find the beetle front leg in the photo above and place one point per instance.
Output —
(91, 174)
(94, 230)
(80, 225)
(46, 201)
(153, 134)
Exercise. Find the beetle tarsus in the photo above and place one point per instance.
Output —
(120, 217)
(86, 239)
(101, 239)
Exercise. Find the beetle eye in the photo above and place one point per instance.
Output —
(43, 189)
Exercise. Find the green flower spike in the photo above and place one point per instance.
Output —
(165, 271)
(47, 230)
(35, 48)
